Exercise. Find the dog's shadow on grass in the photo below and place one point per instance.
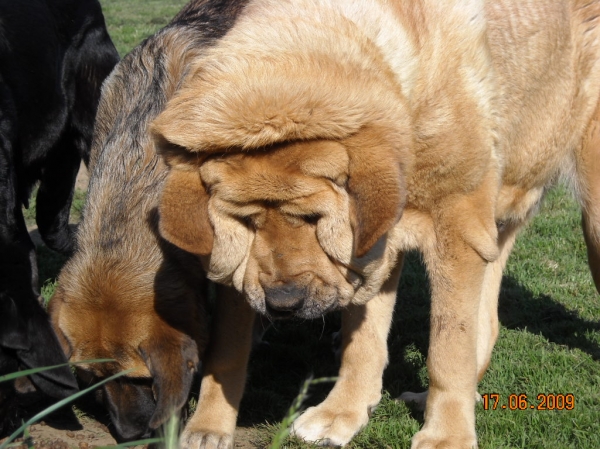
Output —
(295, 350)
(519, 308)
(291, 352)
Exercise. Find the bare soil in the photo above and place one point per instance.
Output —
(91, 435)
(66, 428)
(86, 432)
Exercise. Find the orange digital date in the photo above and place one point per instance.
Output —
(544, 401)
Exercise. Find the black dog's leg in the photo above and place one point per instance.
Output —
(26, 336)
(55, 194)
(88, 67)
(18, 264)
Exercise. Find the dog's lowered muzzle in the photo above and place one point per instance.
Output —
(283, 301)
(131, 405)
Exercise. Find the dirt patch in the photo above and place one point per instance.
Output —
(91, 435)
(88, 433)
(245, 438)
(65, 428)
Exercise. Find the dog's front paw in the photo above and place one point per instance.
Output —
(204, 439)
(327, 427)
(431, 440)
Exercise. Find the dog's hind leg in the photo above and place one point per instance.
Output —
(224, 374)
(56, 193)
(588, 171)
(357, 391)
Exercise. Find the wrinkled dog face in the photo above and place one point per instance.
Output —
(287, 211)
(286, 186)
(296, 227)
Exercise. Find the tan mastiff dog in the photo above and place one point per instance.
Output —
(318, 140)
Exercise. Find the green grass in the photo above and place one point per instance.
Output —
(549, 340)
(131, 21)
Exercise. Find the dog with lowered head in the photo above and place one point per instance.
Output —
(319, 140)
(127, 294)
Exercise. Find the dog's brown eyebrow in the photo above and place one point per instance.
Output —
(271, 203)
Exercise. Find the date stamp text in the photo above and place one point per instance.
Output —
(543, 401)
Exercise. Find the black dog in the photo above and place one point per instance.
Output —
(54, 56)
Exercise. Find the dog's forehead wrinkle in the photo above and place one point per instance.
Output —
(268, 190)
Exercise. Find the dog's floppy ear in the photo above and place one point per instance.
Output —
(172, 359)
(375, 184)
(12, 333)
(184, 212)
(29, 334)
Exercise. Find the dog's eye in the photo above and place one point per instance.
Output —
(248, 220)
(311, 218)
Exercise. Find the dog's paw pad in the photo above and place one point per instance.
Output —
(200, 439)
(327, 427)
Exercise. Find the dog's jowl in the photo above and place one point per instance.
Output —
(318, 140)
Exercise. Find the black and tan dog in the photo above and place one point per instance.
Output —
(54, 56)
(318, 140)
(126, 293)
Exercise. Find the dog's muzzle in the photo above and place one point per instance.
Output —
(283, 301)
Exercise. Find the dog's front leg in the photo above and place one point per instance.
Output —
(224, 374)
(457, 274)
(348, 406)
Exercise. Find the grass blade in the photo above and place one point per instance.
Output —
(294, 411)
(27, 372)
(58, 405)
(169, 432)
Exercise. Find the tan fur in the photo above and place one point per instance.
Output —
(330, 137)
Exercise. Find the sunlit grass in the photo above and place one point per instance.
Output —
(131, 21)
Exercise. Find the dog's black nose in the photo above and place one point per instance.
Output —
(283, 301)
